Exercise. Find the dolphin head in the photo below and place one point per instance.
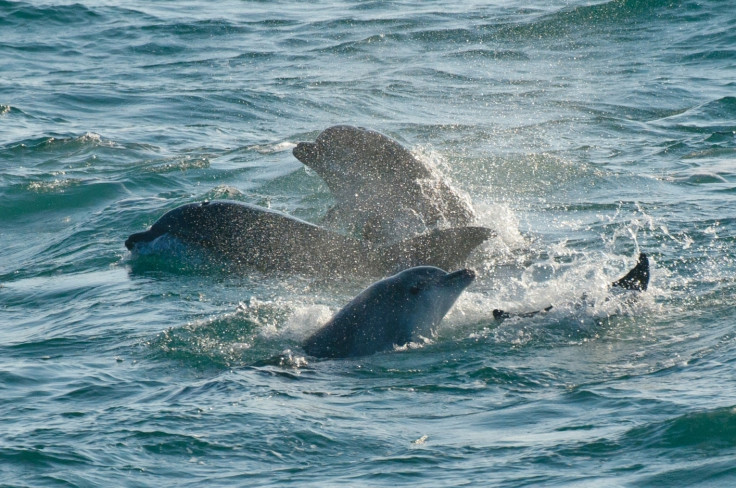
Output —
(423, 295)
(161, 227)
(187, 221)
(358, 157)
(334, 152)
(390, 312)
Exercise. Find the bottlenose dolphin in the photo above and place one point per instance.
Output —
(381, 190)
(390, 312)
(637, 279)
(247, 235)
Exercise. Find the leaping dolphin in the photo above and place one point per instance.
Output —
(381, 190)
(247, 235)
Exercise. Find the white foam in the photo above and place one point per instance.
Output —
(288, 318)
(90, 137)
(223, 192)
(305, 319)
(273, 148)
(504, 221)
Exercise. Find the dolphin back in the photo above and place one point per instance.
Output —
(247, 235)
(244, 234)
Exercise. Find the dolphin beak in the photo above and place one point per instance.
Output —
(146, 236)
(461, 278)
(306, 152)
(130, 241)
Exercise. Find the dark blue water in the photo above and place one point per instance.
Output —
(583, 132)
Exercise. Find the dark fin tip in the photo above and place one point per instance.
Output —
(638, 278)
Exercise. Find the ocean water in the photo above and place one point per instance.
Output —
(583, 131)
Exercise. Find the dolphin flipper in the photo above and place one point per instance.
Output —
(638, 278)
(500, 314)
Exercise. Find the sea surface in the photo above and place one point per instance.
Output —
(584, 132)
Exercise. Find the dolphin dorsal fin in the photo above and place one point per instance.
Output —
(445, 249)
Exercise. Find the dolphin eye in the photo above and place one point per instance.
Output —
(415, 289)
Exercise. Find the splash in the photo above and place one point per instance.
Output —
(235, 339)
(273, 148)
(178, 163)
(223, 192)
(58, 185)
(304, 319)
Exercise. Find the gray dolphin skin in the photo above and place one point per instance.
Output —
(389, 313)
(247, 235)
(381, 189)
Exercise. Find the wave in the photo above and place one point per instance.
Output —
(713, 117)
(490, 54)
(234, 340)
(42, 457)
(706, 430)
(16, 13)
(69, 144)
(702, 439)
(7, 109)
(578, 21)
